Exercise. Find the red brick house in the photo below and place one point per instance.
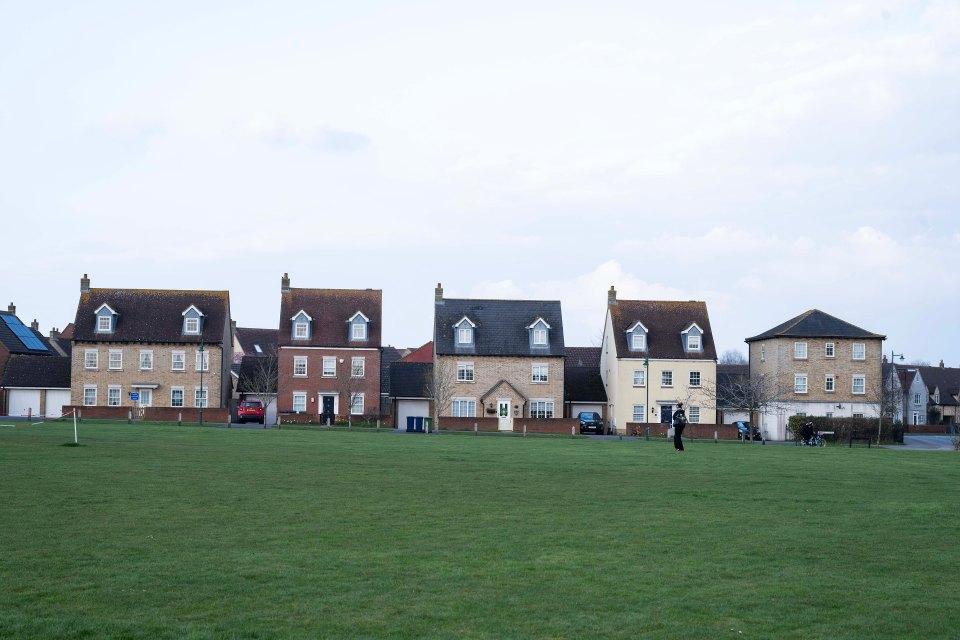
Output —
(329, 349)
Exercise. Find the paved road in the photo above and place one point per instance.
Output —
(926, 443)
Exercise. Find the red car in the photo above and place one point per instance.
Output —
(250, 410)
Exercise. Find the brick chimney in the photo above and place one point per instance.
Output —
(438, 294)
(54, 333)
(612, 296)
(285, 284)
(941, 364)
(36, 327)
(12, 308)
(85, 284)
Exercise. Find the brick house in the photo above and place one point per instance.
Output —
(329, 353)
(656, 354)
(504, 356)
(34, 370)
(824, 366)
(157, 344)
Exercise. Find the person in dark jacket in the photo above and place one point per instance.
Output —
(679, 422)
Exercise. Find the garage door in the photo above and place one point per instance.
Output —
(416, 408)
(24, 402)
(56, 398)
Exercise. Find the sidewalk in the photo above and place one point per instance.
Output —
(925, 443)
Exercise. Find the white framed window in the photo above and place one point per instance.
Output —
(146, 361)
(90, 359)
(800, 350)
(299, 402)
(916, 417)
(541, 408)
(356, 407)
(763, 350)
(859, 385)
(301, 330)
(917, 399)
(300, 366)
(801, 414)
(115, 363)
(638, 341)
(464, 372)
(200, 397)
(540, 337)
(358, 367)
(176, 396)
(191, 326)
(830, 383)
(800, 383)
(829, 350)
(639, 378)
(693, 415)
(89, 395)
(104, 324)
(829, 414)
(465, 334)
(464, 408)
(203, 360)
(859, 351)
(359, 330)
(693, 342)
(858, 415)
(639, 413)
(936, 397)
(666, 378)
(329, 367)
(113, 396)
(694, 378)
(178, 361)
(539, 374)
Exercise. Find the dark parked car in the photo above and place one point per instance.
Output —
(745, 431)
(250, 410)
(590, 422)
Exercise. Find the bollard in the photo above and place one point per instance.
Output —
(378, 424)
(715, 438)
(129, 417)
(475, 431)
(572, 432)
(80, 414)
(180, 419)
(524, 430)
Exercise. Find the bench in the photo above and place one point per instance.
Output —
(861, 435)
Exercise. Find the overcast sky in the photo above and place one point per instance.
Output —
(766, 157)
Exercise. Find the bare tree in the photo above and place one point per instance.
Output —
(350, 387)
(760, 395)
(732, 356)
(258, 377)
(439, 386)
(885, 399)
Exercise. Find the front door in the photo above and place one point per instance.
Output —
(327, 412)
(666, 413)
(146, 397)
(505, 418)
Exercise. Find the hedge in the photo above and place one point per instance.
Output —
(891, 432)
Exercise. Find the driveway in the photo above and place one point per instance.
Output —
(926, 443)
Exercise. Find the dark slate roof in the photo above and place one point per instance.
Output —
(946, 379)
(501, 326)
(331, 309)
(266, 338)
(13, 343)
(252, 368)
(409, 379)
(815, 324)
(665, 320)
(581, 375)
(152, 315)
(388, 355)
(37, 371)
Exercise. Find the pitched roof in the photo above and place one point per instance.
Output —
(730, 381)
(583, 357)
(257, 374)
(388, 355)
(665, 321)
(816, 324)
(409, 379)
(501, 327)
(250, 338)
(946, 379)
(581, 375)
(37, 372)
(330, 310)
(422, 354)
(16, 344)
(152, 315)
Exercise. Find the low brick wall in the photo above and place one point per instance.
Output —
(554, 425)
(157, 414)
(723, 431)
(935, 429)
(466, 424)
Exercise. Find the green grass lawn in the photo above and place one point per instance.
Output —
(164, 532)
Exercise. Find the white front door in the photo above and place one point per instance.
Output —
(505, 417)
(146, 398)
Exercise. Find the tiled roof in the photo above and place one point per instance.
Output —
(423, 354)
(331, 309)
(409, 379)
(388, 355)
(501, 327)
(583, 357)
(946, 379)
(815, 324)
(581, 375)
(254, 369)
(266, 339)
(35, 371)
(665, 320)
(15, 345)
(152, 315)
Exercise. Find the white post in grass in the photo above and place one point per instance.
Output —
(74, 426)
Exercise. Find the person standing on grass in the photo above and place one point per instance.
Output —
(679, 422)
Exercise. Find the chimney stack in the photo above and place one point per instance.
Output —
(438, 294)
(12, 309)
(54, 333)
(84, 284)
(941, 364)
(285, 284)
(612, 296)
(36, 327)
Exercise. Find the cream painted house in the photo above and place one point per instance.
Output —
(655, 355)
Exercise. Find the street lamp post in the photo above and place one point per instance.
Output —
(203, 396)
(646, 379)
(883, 391)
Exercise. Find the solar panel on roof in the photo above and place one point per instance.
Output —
(25, 335)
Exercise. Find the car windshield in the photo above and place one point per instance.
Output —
(588, 416)
(251, 404)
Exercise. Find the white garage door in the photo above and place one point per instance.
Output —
(24, 401)
(56, 398)
(416, 408)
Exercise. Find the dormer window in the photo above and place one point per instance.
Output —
(539, 333)
(104, 324)
(637, 337)
(692, 338)
(106, 319)
(191, 325)
(192, 321)
(693, 343)
(358, 327)
(464, 332)
(301, 326)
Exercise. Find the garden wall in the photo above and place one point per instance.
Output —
(153, 414)
(659, 429)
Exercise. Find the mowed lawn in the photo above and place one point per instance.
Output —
(167, 532)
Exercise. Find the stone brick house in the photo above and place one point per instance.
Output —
(329, 349)
(154, 343)
(823, 366)
(504, 356)
(656, 354)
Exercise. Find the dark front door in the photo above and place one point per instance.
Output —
(666, 413)
(328, 409)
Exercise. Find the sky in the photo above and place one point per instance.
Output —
(765, 157)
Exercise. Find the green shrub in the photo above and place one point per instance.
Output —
(843, 427)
